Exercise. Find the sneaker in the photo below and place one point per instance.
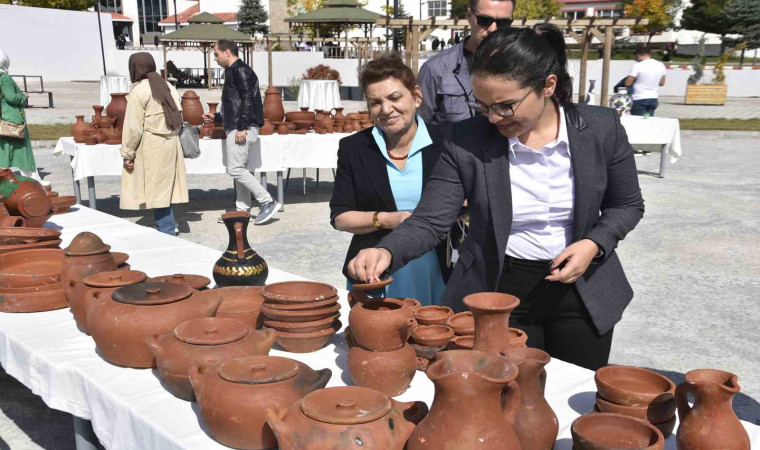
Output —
(266, 212)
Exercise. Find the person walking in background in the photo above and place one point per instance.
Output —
(646, 76)
(242, 115)
(154, 165)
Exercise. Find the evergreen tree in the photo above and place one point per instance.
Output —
(708, 16)
(252, 18)
(746, 15)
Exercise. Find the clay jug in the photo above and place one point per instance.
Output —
(240, 265)
(100, 120)
(24, 197)
(118, 108)
(267, 129)
(111, 136)
(273, 109)
(234, 396)
(323, 419)
(339, 114)
(328, 123)
(99, 287)
(320, 114)
(491, 313)
(85, 256)
(192, 109)
(388, 372)
(380, 324)
(711, 423)
(77, 130)
(467, 406)
(536, 424)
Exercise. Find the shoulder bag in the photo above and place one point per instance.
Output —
(189, 137)
(9, 129)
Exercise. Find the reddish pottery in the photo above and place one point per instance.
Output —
(388, 372)
(603, 431)
(25, 197)
(31, 268)
(461, 342)
(463, 323)
(633, 386)
(53, 243)
(304, 305)
(300, 116)
(32, 299)
(306, 342)
(535, 423)
(26, 235)
(190, 280)
(297, 291)
(192, 108)
(432, 335)
(267, 129)
(239, 265)
(98, 288)
(433, 315)
(380, 324)
(77, 130)
(273, 110)
(491, 312)
(303, 327)
(372, 286)
(242, 303)
(426, 351)
(654, 414)
(85, 256)
(307, 315)
(63, 203)
(118, 108)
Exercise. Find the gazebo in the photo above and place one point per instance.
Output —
(203, 31)
(343, 14)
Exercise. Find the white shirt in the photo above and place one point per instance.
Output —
(542, 197)
(648, 74)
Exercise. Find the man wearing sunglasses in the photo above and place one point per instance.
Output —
(445, 78)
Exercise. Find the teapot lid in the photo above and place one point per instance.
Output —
(151, 293)
(116, 278)
(211, 331)
(194, 281)
(346, 405)
(258, 369)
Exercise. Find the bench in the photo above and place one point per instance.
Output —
(40, 91)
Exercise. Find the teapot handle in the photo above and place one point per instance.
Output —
(282, 430)
(239, 242)
(511, 401)
(682, 401)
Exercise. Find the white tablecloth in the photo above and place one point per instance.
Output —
(654, 130)
(128, 407)
(319, 94)
(112, 85)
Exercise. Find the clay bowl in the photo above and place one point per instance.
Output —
(242, 303)
(425, 351)
(372, 286)
(433, 315)
(34, 299)
(656, 413)
(297, 291)
(31, 268)
(411, 303)
(633, 386)
(462, 323)
(63, 203)
(307, 315)
(53, 243)
(304, 125)
(303, 327)
(306, 342)
(26, 235)
(189, 280)
(432, 335)
(120, 258)
(461, 342)
(598, 431)
(303, 306)
(666, 428)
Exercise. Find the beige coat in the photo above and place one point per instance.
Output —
(158, 178)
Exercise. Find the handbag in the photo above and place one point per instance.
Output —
(189, 139)
(9, 129)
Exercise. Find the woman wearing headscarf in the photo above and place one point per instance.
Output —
(154, 167)
(14, 152)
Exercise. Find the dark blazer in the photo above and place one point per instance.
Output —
(475, 166)
(362, 184)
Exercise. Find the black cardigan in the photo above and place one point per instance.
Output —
(362, 184)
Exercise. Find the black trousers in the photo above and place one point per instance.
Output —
(553, 315)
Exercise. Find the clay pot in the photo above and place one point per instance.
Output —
(356, 125)
(491, 312)
(90, 137)
(240, 265)
(267, 129)
(190, 280)
(110, 136)
(425, 351)
(476, 399)
(297, 292)
(535, 423)
(388, 372)
(320, 114)
(320, 130)
(8, 221)
(601, 431)
(63, 203)
(462, 323)
(285, 128)
(432, 335)
(208, 341)
(306, 342)
(78, 129)
(98, 288)
(339, 114)
(711, 423)
(242, 303)
(461, 342)
(192, 108)
(299, 315)
(85, 256)
(293, 306)
(422, 364)
(328, 123)
(273, 110)
(433, 315)
(654, 414)
(32, 299)
(381, 325)
(25, 235)
(118, 108)
(303, 327)
(120, 258)
(323, 419)
(25, 197)
(300, 116)
(303, 125)
(100, 120)
(31, 268)
(633, 386)
(233, 397)
(121, 325)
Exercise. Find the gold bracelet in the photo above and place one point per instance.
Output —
(376, 220)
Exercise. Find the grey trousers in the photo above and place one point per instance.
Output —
(236, 161)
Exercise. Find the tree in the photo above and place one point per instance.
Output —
(459, 8)
(708, 16)
(74, 5)
(252, 18)
(536, 9)
(660, 19)
(746, 15)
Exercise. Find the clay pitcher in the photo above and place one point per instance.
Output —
(24, 196)
(267, 129)
(240, 265)
(328, 123)
(77, 130)
(491, 313)
(273, 109)
(536, 424)
(711, 423)
(467, 407)
(117, 108)
(192, 109)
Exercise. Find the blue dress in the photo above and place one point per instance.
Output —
(421, 278)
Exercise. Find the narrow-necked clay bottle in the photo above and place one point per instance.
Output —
(240, 265)
(491, 312)
(536, 424)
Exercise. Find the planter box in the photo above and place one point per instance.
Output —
(706, 94)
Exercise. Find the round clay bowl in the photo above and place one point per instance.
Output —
(30, 268)
(306, 342)
(598, 431)
(45, 298)
(189, 280)
(461, 342)
(633, 386)
(656, 413)
(305, 305)
(432, 335)
(433, 315)
(25, 235)
(242, 303)
(120, 258)
(372, 286)
(462, 323)
(411, 303)
(299, 315)
(303, 327)
(425, 351)
(53, 243)
(63, 203)
(297, 291)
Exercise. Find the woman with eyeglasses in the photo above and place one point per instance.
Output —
(552, 188)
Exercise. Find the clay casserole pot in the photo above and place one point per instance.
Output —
(30, 268)
(98, 288)
(633, 386)
(297, 291)
(306, 342)
(190, 280)
(597, 431)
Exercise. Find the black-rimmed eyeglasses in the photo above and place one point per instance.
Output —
(500, 109)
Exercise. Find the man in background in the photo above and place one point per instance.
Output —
(646, 76)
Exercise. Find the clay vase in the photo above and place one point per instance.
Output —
(319, 129)
(240, 265)
(267, 129)
(273, 109)
(535, 423)
(380, 325)
(366, 124)
(470, 388)
(323, 419)
(339, 114)
(491, 313)
(234, 396)
(118, 108)
(208, 341)
(85, 256)
(25, 197)
(388, 372)
(121, 325)
(192, 108)
(98, 288)
(711, 423)
(77, 130)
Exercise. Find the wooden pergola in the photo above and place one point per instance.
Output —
(600, 28)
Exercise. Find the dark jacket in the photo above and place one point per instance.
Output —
(475, 166)
(362, 184)
(241, 98)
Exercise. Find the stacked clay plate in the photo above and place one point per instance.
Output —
(30, 281)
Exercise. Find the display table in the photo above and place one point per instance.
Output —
(112, 85)
(319, 94)
(663, 131)
(128, 407)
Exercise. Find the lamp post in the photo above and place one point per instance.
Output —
(422, 3)
(176, 17)
(395, 32)
(100, 31)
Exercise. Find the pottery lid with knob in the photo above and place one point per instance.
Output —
(150, 293)
(86, 244)
(191, 280)
(116, 278)
(211, 331)
(258, 370)
(346, 405)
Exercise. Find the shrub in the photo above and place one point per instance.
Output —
(322, 72)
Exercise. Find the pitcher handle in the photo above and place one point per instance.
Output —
(512, 401)
(682, 400)
(239, 242)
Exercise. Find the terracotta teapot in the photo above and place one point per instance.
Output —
(234, 396)
(535, 423)
(267, 129)
(388, 372)
(711, 423)
(208, 341)
(121, 325)
(323, 419)
(85, 256)
(381, 324)
(470, 388)
(491, 312)
(99, 287)
(25, 197)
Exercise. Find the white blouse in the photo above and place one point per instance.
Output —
(542, 197)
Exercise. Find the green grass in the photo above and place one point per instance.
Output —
(49, 132)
